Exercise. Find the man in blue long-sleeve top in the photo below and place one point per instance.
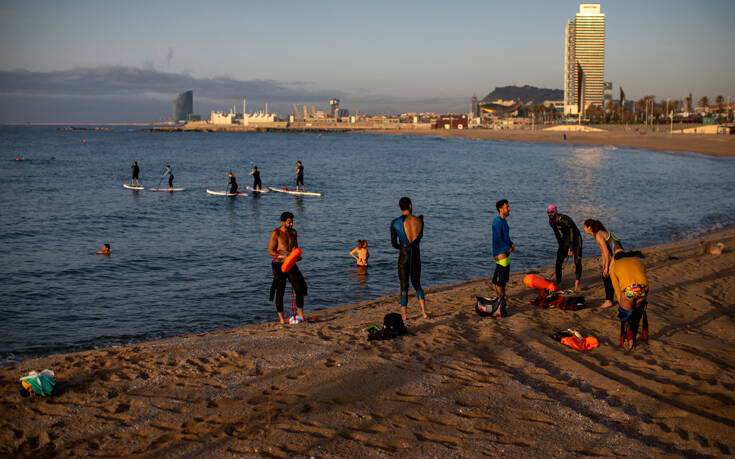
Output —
(502, 247)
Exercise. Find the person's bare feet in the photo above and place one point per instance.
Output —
(628, 345)
(607, 304)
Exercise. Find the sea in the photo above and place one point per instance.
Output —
(189, 262)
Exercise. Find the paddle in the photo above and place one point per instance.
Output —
(158, 187)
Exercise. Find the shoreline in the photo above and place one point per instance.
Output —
(708, 144)
(460, 384)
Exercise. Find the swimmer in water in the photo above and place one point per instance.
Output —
(362, 253)
(105, 250)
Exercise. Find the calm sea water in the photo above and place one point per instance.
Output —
(189, 262)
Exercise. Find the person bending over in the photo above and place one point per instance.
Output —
(628, 277)
(609, 246)
(570, 243)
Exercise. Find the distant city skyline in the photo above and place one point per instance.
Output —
(74, 61)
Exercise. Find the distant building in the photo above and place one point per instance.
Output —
(334, 108)
(474, 108)
(450, 122)
(183, 107)
(584, 59)
(607, 91)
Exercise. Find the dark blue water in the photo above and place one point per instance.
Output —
(189, 262)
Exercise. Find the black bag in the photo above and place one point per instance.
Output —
(393, 325)
(491, 307)
(558, 300)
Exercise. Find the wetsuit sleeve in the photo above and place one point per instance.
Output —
(557, 233)
(394, 237)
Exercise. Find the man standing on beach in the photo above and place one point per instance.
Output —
(502, 248)
(570, 243)
(299, 176)
(405, 236)
(282, 241)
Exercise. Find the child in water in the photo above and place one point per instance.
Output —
(105, 250)
(362, 253)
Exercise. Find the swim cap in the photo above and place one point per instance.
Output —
(551, 208)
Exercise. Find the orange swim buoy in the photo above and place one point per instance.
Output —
(538, 283)
(291, 260)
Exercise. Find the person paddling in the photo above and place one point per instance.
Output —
(257, 184)
(136, 174)
(168, 171)
(299, 173)
(233, 183)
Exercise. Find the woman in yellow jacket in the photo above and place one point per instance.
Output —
(628, 276)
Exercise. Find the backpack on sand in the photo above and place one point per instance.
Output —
(491, 307)
(393, 326)
(559, 300)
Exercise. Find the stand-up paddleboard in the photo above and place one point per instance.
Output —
(263, 190)
(166, 189)
(225, 193)
(130, 187)
(297, 193)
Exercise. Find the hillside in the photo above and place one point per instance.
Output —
(525, 94)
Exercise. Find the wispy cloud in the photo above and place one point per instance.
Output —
(117, 81)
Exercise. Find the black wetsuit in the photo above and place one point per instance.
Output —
(567, 236)
(233, 185)
(300, 175)
(409, 258)
(278, 287)
(257, 184)
(136, 172)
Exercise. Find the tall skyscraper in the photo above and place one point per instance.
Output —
(183, 106)
(584, 59)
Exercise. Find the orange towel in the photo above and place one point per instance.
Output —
(586, 344)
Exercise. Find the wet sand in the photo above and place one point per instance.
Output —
(715, 145)
(458, 386)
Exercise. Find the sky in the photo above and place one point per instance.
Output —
(104, 61)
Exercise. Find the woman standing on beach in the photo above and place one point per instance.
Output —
(609, 246)
(362, 253)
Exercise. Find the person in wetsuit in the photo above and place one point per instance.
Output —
(609, 246)
(282, 241)
(233, 183)
(168, 171)
(570, 243)
(136, 174)
(406, 232)
(299, 176)
(257, 184)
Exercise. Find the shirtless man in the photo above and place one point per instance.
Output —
(405, 235)
(282, 241)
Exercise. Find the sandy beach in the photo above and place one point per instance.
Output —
(458, 386)
(715, 145)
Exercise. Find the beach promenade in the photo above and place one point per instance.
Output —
(458, 386)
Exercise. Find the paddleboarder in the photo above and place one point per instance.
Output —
(299, 173)
(136, 174)
(233, 183)
(257, 184)
(168, 171)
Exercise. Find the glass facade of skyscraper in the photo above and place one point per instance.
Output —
(183, 106)
(585, 50)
